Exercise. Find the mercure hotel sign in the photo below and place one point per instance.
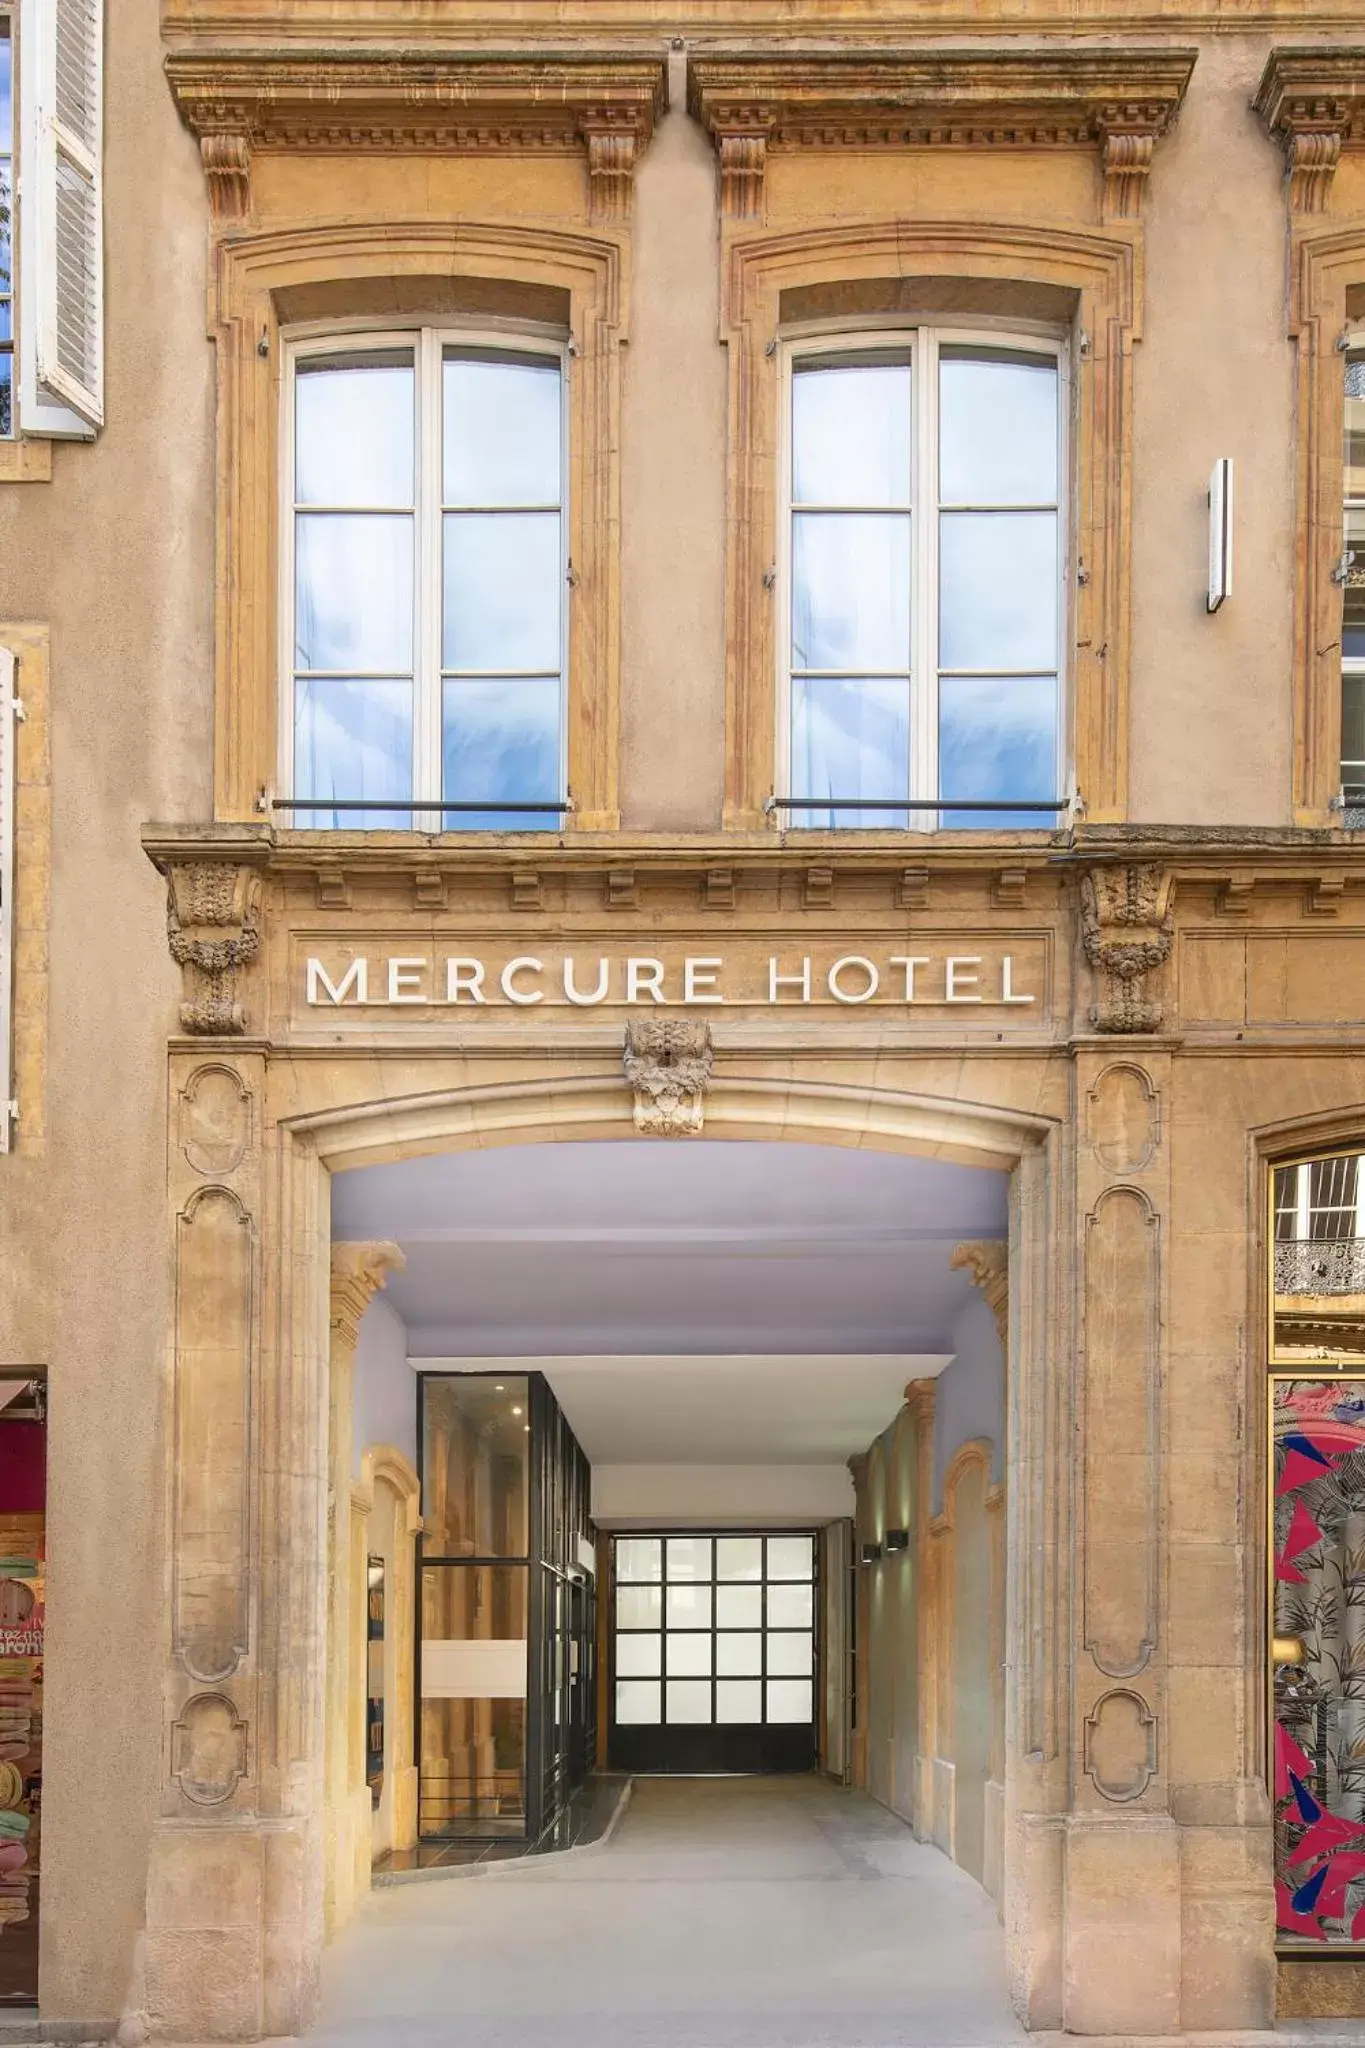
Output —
(965, 977)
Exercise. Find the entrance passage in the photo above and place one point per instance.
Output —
(712, 1664)
(723, 1913)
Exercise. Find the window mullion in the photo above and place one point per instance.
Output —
(427, 594)
(924, 541)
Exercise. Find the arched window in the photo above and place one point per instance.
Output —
(425, 569)
(924, 601)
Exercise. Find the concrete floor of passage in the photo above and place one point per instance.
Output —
(723, 1913)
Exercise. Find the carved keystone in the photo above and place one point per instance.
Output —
(1126, 929)
(668, 1063)
(988, 1262)
(213, 930)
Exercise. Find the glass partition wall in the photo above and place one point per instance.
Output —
(505, 1673)
(1317, 1550)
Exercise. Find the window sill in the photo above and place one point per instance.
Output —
(25, 460)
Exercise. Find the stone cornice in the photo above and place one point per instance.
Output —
(1119, 100)
(343, 99)
(1312, 99)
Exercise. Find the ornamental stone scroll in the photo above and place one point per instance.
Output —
(1127, 932)
(668, 1062)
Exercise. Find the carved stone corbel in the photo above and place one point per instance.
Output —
(1127, 932)
(227, 167)
(213, 930)
(613, 149)
(1313, 102)
(668, 1063)
(1128, 139)
(742, 154)
(358, 1272)
(988, 1262)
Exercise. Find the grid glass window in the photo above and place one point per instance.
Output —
(924, 600)
(714, 1630)
(1353, 591)
(6, 227)
(428, 575)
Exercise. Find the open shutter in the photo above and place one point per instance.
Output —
(8, 719)
(61, 230)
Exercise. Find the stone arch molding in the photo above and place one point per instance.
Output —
(532, 1112)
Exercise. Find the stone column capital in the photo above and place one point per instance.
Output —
(358, 1272)
(988, 1262)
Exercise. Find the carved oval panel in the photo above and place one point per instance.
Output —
(1120, 1745)
(1124, 1118)
(209, 1749)
(215, 1120)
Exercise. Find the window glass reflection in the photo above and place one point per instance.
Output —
(1319, 1258)
(850, 591)
(501, 431)
(354, 593)
(850, 739)
(500, 745)
(354, 428)
(474, 1464)
(998, 428)
(474, 1678)
(851, 434)
(998, 590)
(997, 741)
(352, 740)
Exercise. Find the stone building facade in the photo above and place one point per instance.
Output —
(1142, 997)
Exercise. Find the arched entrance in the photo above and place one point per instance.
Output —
(325, 1116)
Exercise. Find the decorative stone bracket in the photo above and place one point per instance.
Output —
(213, 930)
(467, 100)
(1127, 931)
(668, 1063)
(1122, 100)
(1313, 102)
(988, 1262)
(359, 1270)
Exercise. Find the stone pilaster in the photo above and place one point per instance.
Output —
(358, 1271)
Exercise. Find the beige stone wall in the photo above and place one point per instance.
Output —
(113, 561)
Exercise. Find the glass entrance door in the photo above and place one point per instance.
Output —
(713, 1652)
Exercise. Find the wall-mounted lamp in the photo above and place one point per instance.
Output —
(898, 1539)
(1220, 532)
(871, 1552)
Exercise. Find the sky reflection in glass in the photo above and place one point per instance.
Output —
(352, 740)
(850, 738)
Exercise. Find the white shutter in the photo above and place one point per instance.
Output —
(8, 735)
(61, 229)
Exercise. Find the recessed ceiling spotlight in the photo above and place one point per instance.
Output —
(515, 1409)
(526, 1429)
(499, 1388)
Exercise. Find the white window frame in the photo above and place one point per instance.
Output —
(428, 344)
(1353, 343)
(1303, 1205)
(922, 340)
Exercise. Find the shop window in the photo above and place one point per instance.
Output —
(424, 585)
(1351, 572)
(1317, 1427)
(924, 605)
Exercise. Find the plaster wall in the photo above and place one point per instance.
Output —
(970, 1395)
(113, 555)
(712, 1495)
(385, 1385)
